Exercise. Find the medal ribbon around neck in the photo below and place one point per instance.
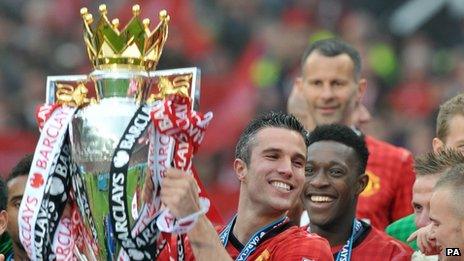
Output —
(345, 253)
(254, 240)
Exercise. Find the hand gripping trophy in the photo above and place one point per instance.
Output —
(101, 135)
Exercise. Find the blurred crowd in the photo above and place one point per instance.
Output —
(249, 54)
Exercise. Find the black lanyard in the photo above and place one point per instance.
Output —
(254, 240)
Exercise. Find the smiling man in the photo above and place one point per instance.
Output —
(335, 176)
(270, 165)
(331, 87)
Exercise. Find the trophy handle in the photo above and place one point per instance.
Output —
(54, 81)
(184, 81)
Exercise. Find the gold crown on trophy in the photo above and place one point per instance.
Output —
(135, 47)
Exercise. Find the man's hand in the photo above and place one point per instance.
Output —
(179, 192)
(425, 240)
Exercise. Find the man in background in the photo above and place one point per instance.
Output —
(450, 125)
(429, 168)
(6, 249)
(449, 134)
(332, 88)
(16, 184)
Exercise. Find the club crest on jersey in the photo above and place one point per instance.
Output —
(264, 256)
(373, 185)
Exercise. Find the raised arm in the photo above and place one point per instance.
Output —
(179, 192)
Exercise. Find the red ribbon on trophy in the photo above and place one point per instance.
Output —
(175, 117)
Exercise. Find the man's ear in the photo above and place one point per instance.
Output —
(3, 221)
(437, 145)
(361, 183)
(240, 168)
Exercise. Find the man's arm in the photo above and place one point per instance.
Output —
(205, 241)
(179, 192)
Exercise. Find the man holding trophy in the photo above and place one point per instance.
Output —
(270, 160)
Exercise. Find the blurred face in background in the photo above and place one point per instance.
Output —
(16, 188)
(360, 116)
(330, 89)
(454, 137)
(422, 191)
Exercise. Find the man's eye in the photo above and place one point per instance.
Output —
(298, 163)
(418, 208)
(336, 172)
(272, 156)
(309, 171)
(315, 83)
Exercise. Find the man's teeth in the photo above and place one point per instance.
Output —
(321, 199)
(281, 185)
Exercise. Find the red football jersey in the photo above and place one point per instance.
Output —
(293, 243)
(388, 194)
(376, 245)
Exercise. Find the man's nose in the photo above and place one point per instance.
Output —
(327, 92)
(285, 168)
(318, 180)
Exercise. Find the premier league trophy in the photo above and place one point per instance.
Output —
(101, 135)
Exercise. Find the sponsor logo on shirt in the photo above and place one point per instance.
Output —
(373, 186)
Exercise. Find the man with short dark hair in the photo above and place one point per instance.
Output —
(16, 184)
(331, 87)
(270, 165)
(335, 177)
